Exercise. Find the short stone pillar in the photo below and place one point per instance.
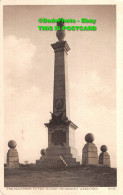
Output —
(12, 155)
(89, 152)
(43, 152)
(104, 157)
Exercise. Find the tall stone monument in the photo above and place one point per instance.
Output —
(61, 130)
(12, 155)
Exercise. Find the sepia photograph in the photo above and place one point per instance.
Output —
(59, 75)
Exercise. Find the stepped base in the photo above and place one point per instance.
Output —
(59, 156)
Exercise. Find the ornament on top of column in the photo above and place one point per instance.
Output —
(60, 33)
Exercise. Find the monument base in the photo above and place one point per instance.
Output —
(104, 159)
(12, 158)
(89, 154)
(61, 143)
(58, 156)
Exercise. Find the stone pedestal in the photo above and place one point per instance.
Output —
(104, 157)
(12, 158)
(89, 152)
(12, 155)
(61, 149)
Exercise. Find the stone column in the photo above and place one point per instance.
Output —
(60, 99)
(12, 155)
(104, 157)
(89, 152)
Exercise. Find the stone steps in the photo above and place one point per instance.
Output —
(57, 161)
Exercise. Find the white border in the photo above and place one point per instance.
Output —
(119, 58)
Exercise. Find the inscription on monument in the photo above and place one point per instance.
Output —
(58, 138)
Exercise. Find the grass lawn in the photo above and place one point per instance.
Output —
(81, 176)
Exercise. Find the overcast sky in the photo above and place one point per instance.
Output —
(28, 77)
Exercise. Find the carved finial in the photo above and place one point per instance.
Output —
(60, 33)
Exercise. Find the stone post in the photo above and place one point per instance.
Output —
(12, 155)
(43, 153)
(89, 152)
(104, 157)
